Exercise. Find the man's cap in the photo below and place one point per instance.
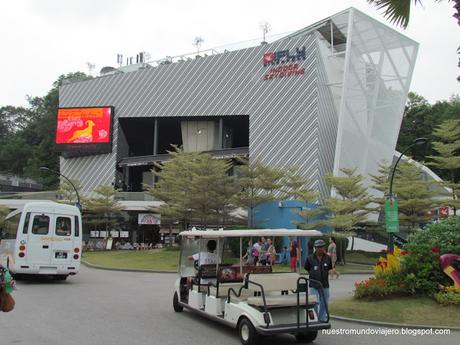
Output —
(319, 243)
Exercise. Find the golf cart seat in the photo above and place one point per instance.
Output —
(279, 290)
(230, 277)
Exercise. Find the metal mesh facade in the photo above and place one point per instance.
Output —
(343, 110)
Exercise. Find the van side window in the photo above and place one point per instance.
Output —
(25, 228)
(11, 227)
(77, 227)
(41, 225)
(63, 226)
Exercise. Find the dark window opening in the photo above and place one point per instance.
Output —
(236, 128)
(139, 135)
(138, 176)
(169, 133)
(136, 140)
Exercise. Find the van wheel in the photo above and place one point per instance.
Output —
(307, 337)
(247, 332)
(177, 307)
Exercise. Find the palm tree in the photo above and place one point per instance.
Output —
(398, 11)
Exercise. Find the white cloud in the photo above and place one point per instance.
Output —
(43, 39)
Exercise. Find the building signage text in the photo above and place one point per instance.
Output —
(149, 218)
(287, 59)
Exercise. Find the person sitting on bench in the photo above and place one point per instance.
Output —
(206, 258)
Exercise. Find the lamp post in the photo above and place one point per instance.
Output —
(78, 204)
(417, 141)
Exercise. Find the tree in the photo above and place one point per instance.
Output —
(12, 120)
(258, 183)
(398, 11)
(67, 192)
(419, 119)
(295, 187)
(448, 148)
(343, 211)
(104, 207)
(208, 198)
(31, 135)
(194, 188)
(415, 194)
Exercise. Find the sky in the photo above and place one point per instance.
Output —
(43, 39)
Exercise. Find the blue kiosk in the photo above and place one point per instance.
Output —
(282, 214)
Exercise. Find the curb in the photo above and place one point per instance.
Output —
(87, 264)
(389, 324)
(357, 272)
(360, 264)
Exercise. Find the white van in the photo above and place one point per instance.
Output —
(43, 238)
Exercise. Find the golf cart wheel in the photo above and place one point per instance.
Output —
(307, 337)
(177, 307)
(247, 332)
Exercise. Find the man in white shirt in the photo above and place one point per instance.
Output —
(206, 258)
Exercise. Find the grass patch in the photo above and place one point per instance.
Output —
(158, 260)
(340, 268)
(362, 257)
(166, 259)
(406, 310)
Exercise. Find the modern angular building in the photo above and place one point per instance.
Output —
(326, 97)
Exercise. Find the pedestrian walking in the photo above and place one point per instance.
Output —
(318, 265)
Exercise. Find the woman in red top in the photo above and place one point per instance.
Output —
(295, 255)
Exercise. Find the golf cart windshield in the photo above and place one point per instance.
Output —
(192, 245)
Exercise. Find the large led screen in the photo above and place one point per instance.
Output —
(82, 131)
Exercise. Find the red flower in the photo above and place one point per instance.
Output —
(435, 250)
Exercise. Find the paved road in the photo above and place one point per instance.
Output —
(111, 308)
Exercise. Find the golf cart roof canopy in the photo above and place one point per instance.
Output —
(251, 233)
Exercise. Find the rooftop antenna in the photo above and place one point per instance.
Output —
(91, 67)
(265, 27)
(197, 42)
(119, 59)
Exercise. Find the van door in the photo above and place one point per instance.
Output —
(39, 239)
(64, 228)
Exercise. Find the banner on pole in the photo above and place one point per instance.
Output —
(391, 214)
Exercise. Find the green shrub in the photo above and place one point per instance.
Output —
(420, 270)
(444, 235)
(448, 298)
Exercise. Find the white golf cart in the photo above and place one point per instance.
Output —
(253, 299)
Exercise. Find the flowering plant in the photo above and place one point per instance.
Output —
(391, 264)
(372, 287)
